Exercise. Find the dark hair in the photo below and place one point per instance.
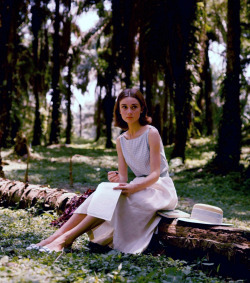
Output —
(135, 93)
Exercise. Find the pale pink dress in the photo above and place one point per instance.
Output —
(135, 219)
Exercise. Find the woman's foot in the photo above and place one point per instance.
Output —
(58, 245)
(47, 241)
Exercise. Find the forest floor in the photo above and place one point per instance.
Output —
(50, 166)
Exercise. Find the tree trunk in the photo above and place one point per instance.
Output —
(36, 25)
(207, 91)
(141, 64)
(171, 121)
(108, 106)
(149, 95)
(23, 195)
(128, 38)
(179, 42)
(69, 116)
(9, 12)
(182, 104)
(226, 247)
(98, 115)
(157, 118)
(1, 167)
(80, 120)
(56, 97)
(167, 131)
(37, 130)
(165, 120)
(229, 142)
(204, 114)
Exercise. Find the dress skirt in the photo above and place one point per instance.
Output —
(134, 220)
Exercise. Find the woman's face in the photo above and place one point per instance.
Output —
(130, 109)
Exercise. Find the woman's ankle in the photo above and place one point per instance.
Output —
(46, 241)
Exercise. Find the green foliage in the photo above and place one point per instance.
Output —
(18, 230)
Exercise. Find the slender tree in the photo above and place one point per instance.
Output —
(40, 78)
(229, 141)
(12, 14)
(56, 96)
(98, 113)
(36, 26)
(179, 24)
(207, 87)
(202, 110)
(6, 27)
(69, 94)
(68, 57)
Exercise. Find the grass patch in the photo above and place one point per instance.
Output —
(18, 229)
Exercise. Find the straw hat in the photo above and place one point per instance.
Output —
(173, 213)
(206, 214)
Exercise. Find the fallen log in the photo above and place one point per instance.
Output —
(226, 247)
(24, 195)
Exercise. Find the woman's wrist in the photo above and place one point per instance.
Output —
(122, 179)
(135, 188)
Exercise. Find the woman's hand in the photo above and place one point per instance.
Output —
(113, 176)
(127, 189)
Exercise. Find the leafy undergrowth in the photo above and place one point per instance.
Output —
(18, 228)
(50, 166)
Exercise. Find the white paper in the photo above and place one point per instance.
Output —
(104, 201)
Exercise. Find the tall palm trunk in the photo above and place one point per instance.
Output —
(207, 93)
(108, 107)
(182, 105)
(97, 116)
(69, 94)
(5, 77)
(8, 29)
(179, 52)
(167, 112)
(229, 142)
(69, 78)
(36, 24)
(56, 97)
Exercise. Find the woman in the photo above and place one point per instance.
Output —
(135, 220)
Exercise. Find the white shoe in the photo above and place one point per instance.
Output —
(45, 249)
(33, 247)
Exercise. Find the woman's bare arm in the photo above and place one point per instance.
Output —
(120, 176)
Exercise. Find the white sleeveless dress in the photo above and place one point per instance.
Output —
(135, 220)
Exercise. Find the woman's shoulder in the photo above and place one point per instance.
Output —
(120, 136)
(153, 135)
(153, 131)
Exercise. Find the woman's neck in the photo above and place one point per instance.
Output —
(134, 130)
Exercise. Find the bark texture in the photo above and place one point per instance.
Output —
(15, 193)
(222, 245)
(229, 142)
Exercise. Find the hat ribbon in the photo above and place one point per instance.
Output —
(208, 216)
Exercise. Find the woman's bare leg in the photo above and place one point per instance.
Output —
(68, 237)
(74, 220)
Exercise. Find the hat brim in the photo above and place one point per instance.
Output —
(191, 220)
(173, 213)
